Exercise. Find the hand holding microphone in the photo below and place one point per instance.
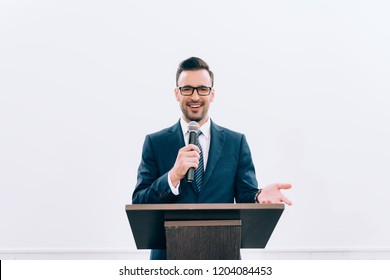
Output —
(188, 157)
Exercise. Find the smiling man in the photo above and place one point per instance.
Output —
(221, 157)
(194, 92)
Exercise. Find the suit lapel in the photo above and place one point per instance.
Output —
(217, 142)
(176, 141)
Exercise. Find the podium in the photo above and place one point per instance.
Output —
(203, 231)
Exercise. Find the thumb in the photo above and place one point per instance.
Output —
(284, 186)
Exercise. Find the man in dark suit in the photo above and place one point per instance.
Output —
(228, 173)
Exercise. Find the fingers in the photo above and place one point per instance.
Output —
(265, 201)
(286, 200)
(284, 186)
(187, 157)
(189, 154)
(282, 200)
(189, 148)
(278, 186)
(272, 194)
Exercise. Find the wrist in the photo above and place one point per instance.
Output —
(174, 178)
(257, 196)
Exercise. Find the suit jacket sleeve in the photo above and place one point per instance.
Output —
(245, 180)
(152, 183)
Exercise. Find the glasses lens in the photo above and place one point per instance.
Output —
(186, 90)
(203, 90)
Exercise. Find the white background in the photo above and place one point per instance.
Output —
(82, 83)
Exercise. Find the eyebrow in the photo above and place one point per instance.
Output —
(194, 86)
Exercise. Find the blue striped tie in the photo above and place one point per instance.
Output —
(200, 170)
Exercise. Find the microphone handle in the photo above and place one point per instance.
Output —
(191, 171)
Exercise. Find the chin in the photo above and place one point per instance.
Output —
(195, 119)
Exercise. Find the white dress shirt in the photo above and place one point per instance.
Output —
(204, 141)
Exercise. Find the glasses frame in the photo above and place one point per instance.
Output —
(197, 90)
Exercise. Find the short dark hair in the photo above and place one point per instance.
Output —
(193, 63)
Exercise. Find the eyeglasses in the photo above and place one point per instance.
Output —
(189, 90)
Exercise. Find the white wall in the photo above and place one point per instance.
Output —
(83, 82)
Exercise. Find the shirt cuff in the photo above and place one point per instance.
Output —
(257, 196)
(174, 190)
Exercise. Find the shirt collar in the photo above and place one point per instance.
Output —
(205, 128)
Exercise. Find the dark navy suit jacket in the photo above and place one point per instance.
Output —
(229, 176)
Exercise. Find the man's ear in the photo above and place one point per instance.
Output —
(212, 95)
(177, 94)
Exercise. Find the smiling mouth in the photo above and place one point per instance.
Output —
(198, 105)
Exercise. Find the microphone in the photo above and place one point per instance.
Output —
(193, 128)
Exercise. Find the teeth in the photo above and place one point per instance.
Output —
(195, 106)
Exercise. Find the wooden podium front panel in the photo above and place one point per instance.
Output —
(203, 240)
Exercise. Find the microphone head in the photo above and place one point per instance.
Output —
(193, 127)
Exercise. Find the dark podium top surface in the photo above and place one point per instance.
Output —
(258, 220)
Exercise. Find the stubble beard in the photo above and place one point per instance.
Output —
(195, 118)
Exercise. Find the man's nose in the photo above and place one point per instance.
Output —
(195, 95)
